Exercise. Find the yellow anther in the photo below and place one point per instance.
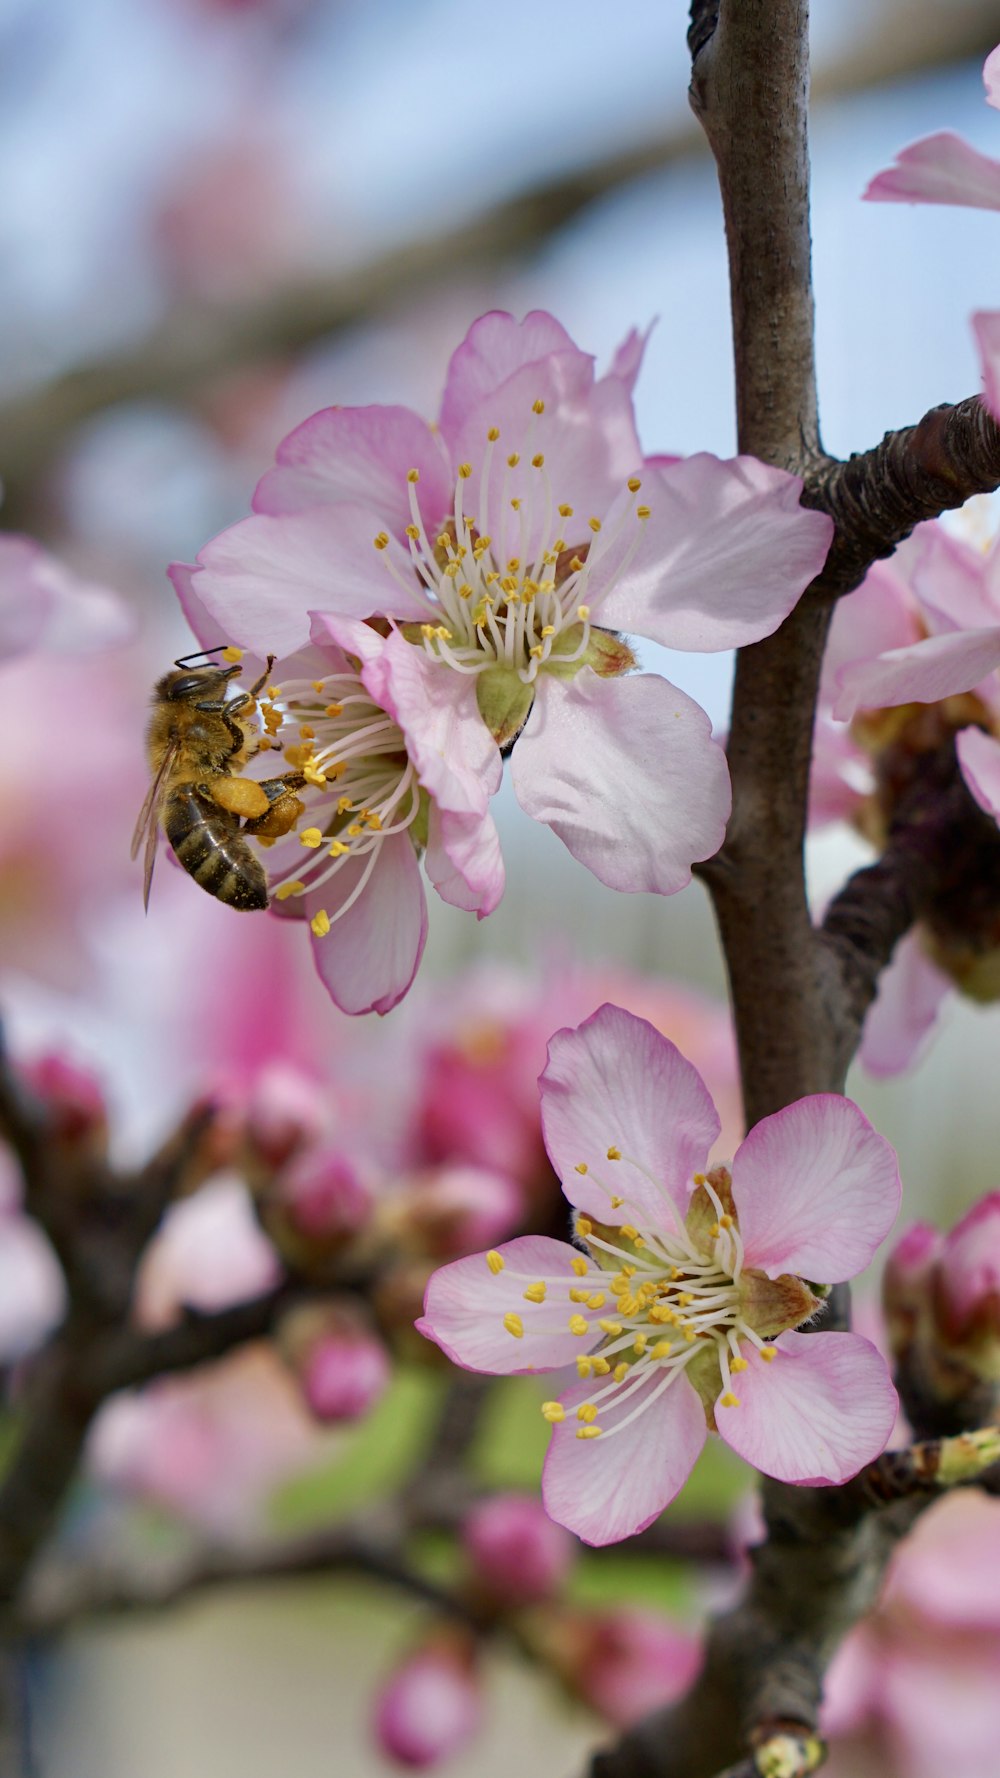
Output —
(642, 512)
(413, 475)
(307, 733)
(413, 533)
(769, 1354)
(339, 849)
(612, 1328)
(729, 1400)
(578, 1295)
(587, 1412)
(495, 1261)
(584, 1227)
(565, 512)
(699, 1178)
(629, 1230)
(465, 591)
(662, 1316)
(311, 837)
(621, 1371)
(690, 1334)
(614, 1154)
(443, 540)
(725, 1222)
(535, 1293)
(640, 1343)
(580, 1267)
(685, 1299)
(514, 459)
(597, 1301)
(548, 629)
(354, 830)
(581, 1167)
(313, 776)
(661, 1349)
(382, 540)
(601, 1366)
(320, 923)
(595, 525)
(374, 821)
(232, 655)
(634, 484)
(553, 1412)
(616, 1203)
(493, 434)
(579, 1325)
(272, 692)
(514, 1325)
(537, 652)
(583, 1368)
(737, 1364)
(583, 611)
(287, 889)
(465, 470)
(537, 462)
(715, 1231)
(344, 805)
(319, 686)
(627, 1304)
(538, 407)
(516, 504)
(451, 572)
(588, 1432)
(264, 745)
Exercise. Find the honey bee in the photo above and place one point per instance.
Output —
(198, 742)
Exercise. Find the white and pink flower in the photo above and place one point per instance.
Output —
(679, 1302)
(491, 560)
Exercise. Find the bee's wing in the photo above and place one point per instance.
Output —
(148, 824)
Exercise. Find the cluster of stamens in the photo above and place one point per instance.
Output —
(518, 601)
(354, 757)
(669, 1300)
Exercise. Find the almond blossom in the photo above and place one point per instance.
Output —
(679, 1300)
(45, 606)
(498, 553)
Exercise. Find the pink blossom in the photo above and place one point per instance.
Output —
(634, 1662)
(986, 327)
(969, 1274)
(210, 1252)
(73, 1098)
(510, 543)
(430, 1708)
(916, 1688)
(32, 1287)
(942, 1293)
(678, 1305)
(944, 169)
(517, 1552)
(450, 1210)
(45, 606)
(343, 1374)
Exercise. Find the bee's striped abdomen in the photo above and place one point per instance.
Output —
(208, 843)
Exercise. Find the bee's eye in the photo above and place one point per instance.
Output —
(186, 685)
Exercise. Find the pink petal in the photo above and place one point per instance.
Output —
(979, 758)
(817, 1190)
(262, 578)
(925, 673)
(939, 169)
(369, 957)
(466, 1302)
(456, 757)
(952, 582)
(991, 77)
(494, 349)
(615, 1081)
(817, 1414)
(464, 862)
(726, 553)
(905, 1010)
(940, 1703)
(627, 361)
(881, 614)
(841, 773)
(182, 577)
(626, 772)
(362, 455)
(606, 1489)
(938, 1572)
(24, 606)
(986, 327)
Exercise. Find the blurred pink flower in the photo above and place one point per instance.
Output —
(944, 169)
(517, 1552)
(704, 1279)
(32, 1288)
(430, 1708)
(209, 1252)
(45, 607)
(634, 1661)
(343, 1374)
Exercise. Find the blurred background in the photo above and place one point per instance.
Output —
(219, 216)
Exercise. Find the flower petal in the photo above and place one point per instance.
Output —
(986, 327)
(464, 862)
(627, 361)
(494, 349)
(991, 77)
(605, 1488)
(260, 579)
(816, 1414)
(466, 1302)
(952, 582)
(816, 1189)
(979, 758)
(369, 957)
(879, 615)
(626, 772)
(615, 1081)
(456, 757)
(924, 673)
(363, 455)
(726, 553)
(939, 169)
(905, 1010)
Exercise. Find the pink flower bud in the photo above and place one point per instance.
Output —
(430, 1708)
(967, 1294)
(324, 1196)
(286, 1110)
(635, 1661)
(519, 1554)
(456, 1210)
(343, 1375)
(72, 1096)
(906, 1282)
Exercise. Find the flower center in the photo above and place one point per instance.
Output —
(516, 600)
(365, 786)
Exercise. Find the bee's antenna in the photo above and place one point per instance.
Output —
(200, 654)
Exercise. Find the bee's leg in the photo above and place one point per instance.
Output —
(260, 683)
(284, 806)
(243, 797)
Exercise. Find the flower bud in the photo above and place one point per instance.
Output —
(343, 1376)
(967, 1283)
(73, 1100)
(519, 1554)
(286, 1111)
(315, 1206)
(451, 1211)
(906, 1280)
(430, 1708)
(634, 1662)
